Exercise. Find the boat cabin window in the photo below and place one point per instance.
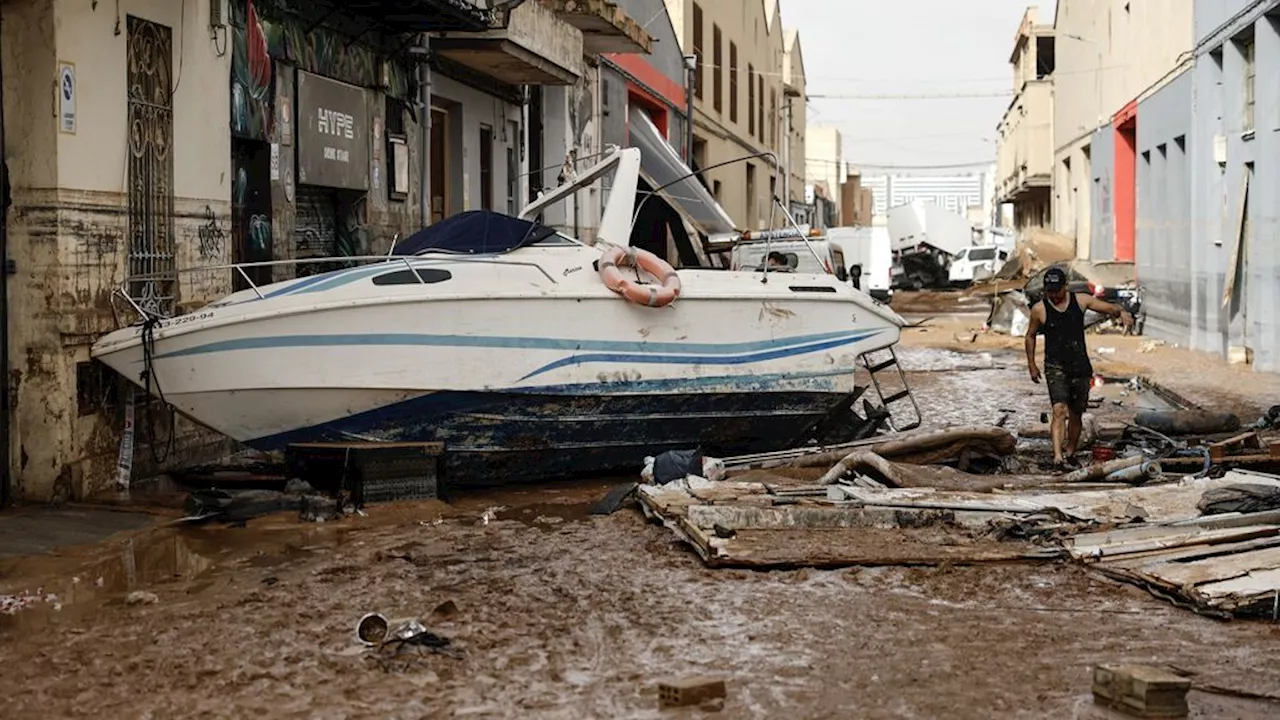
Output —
(837, 257)
(417, 276)
(556, 240)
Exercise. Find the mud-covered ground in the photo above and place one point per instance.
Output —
(560, 614)
(953, 321)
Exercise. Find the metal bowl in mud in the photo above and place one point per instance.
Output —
(372, 629)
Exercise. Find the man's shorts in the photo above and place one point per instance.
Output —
(1070, 391)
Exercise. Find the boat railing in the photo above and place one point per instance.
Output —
(411, 262)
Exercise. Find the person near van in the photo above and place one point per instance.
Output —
(1068, 373)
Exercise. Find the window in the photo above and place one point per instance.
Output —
(986, 253)
(773, 117)
(697, 50)
(733, 82)
(486, 167)
(513, 167)
(397, 151)
(97, 389)
(417, 276)
(1250, 84)
(715, 189)
(751, 100)
(717, 62)
(760, 106)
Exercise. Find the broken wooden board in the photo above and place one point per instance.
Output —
(1236, 446)
(1160, 539)
(1158, 503)
(1225, 566)
(749, 533)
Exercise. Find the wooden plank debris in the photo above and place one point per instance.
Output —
(817, 532)
(1224, 565)
(1218, 451)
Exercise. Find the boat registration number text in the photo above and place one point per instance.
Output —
(187, 319)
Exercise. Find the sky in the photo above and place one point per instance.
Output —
(910, 47)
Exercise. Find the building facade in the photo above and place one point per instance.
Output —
(1108, 55)
(795, 119)
(956, 193)
(824, 165)
(1208, 175)
(739, 97)
(857, 203)
(186, 136)
(1025, 135)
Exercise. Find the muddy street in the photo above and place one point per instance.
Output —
(562, 614)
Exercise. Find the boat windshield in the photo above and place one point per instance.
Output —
(558, 240)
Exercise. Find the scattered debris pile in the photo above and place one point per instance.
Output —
(922, 498)
(1224, 564)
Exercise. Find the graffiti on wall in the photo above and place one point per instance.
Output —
(258, 39)
(252, 76)
(212, 240)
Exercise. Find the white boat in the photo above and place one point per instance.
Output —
(498, 338)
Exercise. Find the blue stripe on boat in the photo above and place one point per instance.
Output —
(683, 351)
(725, 359)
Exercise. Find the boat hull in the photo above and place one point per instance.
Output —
(496, 438)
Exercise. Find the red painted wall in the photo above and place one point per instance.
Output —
(1126, 182)
(641, 97)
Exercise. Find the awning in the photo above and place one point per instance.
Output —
(660, 165)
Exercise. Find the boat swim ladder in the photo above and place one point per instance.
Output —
(878, 362)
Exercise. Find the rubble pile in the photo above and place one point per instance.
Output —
(1163, 505)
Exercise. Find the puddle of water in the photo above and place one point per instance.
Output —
(547, 516)
(61, 587)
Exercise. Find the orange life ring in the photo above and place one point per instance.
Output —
(640, 293)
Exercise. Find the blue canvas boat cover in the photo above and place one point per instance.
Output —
(474, 232)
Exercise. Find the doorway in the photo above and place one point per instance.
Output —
(1126, 187)
(439, 164)
(251, 211)
(535, 143)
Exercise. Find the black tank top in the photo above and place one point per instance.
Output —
(1064, 346)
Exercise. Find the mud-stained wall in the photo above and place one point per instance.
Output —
(69, 229)
(573, 143)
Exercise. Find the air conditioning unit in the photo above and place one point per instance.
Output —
(218, 10)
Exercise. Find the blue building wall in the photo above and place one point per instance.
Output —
(1249, 317)
(1164, 209)
(1102, 222)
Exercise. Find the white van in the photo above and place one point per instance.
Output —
(869, 251)
(978, 262)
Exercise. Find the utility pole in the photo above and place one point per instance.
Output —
(422, 52)
(690, 86)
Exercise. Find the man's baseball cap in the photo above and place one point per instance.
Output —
(1054, 278)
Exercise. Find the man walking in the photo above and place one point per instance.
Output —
(1068, 372)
